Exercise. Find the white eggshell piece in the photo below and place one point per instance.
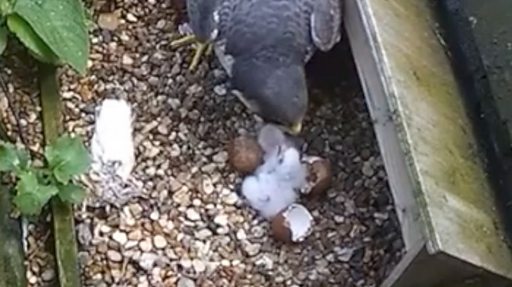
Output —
(299, 221)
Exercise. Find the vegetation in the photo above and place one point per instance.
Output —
(65, 158)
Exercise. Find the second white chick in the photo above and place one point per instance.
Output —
(267, 195)
(286, 166)
(274, 185)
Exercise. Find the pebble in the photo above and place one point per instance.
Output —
(193, 215)
(108, 21)
(367, 169)
(135, 235)
(145, 245)
(127, 60)
(159, 241)
(220, 157)
(114, 256)
(252, 249)
(221, 220)
(186, 282)
(241, 235)
(120, 237)
(231, 198)
(207, 186)
(48, 275)
(131, 18)
(203, 234)
(186, 263)
(220, 90)
(198, 266)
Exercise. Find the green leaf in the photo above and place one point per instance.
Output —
(61, 25)
(3, 39)
(32, 196)
(29, 38)
(67, 157)
(12, 158)
(72, 193)
(5, 7)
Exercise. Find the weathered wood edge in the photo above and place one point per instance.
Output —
(383, 22)
(62, 213)
(393, 157)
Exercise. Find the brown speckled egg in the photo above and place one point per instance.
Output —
(245, 154)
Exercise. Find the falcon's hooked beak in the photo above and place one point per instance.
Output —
(296, 128)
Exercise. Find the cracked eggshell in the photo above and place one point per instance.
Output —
(293, 224)
(245, 154)
(319, 176)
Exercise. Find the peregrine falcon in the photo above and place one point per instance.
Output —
(263, 45)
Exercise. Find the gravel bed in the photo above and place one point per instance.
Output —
(188, 226)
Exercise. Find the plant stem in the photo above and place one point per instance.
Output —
(3, 132)
(63, 220)
(12, 268)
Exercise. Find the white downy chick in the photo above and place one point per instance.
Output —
(275, 184)
(267, 195)
(286, 167)
(271, 137)
(112, 141)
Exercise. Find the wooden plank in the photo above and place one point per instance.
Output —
(480, 38)
(387, 135)
(448, 180)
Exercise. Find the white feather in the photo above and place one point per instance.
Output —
(112, 141)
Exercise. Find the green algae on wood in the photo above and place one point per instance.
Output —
(454, 193)
(448, 176)
(62, 213)
(12, 268)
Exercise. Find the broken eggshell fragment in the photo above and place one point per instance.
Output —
(293, 224)
(319, 176)
(245, 154)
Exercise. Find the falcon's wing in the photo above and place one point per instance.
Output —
(326, 23)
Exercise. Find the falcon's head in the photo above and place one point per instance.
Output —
(276, 92)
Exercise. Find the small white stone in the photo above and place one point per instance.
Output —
(159, 241)
(145, 245)
(241, 235)
(221, 220)
(130, 244)
(127, 60)
(186, 263)
(135, 235)
(114, 256)
(48, 275)
(231, 198)
(193, 215)
(185, 282)
(203, 234)
(120, 237)
(105, 229)
(155, 215)
(207, 185)
(198, 265)
(131, 18)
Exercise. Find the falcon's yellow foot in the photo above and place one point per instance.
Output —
(200, 47)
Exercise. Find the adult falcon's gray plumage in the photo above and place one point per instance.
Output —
(264, 45)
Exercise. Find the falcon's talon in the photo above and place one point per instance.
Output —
(200, 47)
(183, 41)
